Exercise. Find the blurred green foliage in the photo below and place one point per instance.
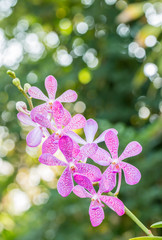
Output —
(103, 52)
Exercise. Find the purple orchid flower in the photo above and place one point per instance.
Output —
(51, 87)
(90, 130)
(65, 182)
(132, 174)
(96, 212)
(35, 136)
(52, 142)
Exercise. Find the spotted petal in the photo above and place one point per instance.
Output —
(66, 118)
(65, 183)
(101, 157)
(87, 151)
(112, 143)
(40, 109)
(84, 182)
(34, 137)
(77, 122)
(50, 145)
(131, 173)
(90, 171)
(51, 86)
(66, 147)
(43, 121)
(132, 149)
(96, 215)
(90, 130)
(68, 96)
(25, 119)
(108, 181)
(114, 203)
(76, 137)
(81, 192)
(50, 160)
(101, 138)
(58, 113)
(35, 92)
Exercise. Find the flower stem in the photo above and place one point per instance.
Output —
(119, 183)
(17, 84)
(135, 219)
(138, 222)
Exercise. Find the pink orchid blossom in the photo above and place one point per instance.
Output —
(96, 212)
(90, 130)
(51, 87)
(52, 142)
(65, 182)
(35, 136)
(132, 174)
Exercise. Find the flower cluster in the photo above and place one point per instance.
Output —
(53, 122)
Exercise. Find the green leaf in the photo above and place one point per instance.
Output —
(146, 238)
(157, 225)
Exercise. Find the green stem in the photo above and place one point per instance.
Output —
(138, 222)
(135, 219)
(17, 83)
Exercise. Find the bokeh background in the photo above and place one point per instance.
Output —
(110, 52)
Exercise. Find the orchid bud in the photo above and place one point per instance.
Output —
(26, 87)
(22, 107)
(16, 82)
(11, 74)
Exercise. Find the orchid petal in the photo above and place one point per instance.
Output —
(35, 92)
(81, 192)
(51, 86)
(84, 182)
(50, 160)
(66, 147)
(112, 143)
(50, 145)
(90, 171)
(114, 203)
(101, 138)
(131, 173)
(76, 137)
(76, 149)
(40, 109)
(34, 137)
(77, 122)
(90, 130)
(101, 157)
(65, 183)
(132, 149)
(87, 151)
(108, 181)
(58, 113)
(96, 215)
(68, 96)
(66, 118)
(43, 121)
(25, 119)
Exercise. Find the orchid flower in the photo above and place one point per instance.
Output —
(90, 130)
(96, 212)
(65, 182)
(52, 142)
(35, 136)
(132, 174)
(51, 87)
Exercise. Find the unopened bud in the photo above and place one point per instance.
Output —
(26, 87)
(16, 82)
(11, 74)
(22, 107)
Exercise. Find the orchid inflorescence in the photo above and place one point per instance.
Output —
(53, 123)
